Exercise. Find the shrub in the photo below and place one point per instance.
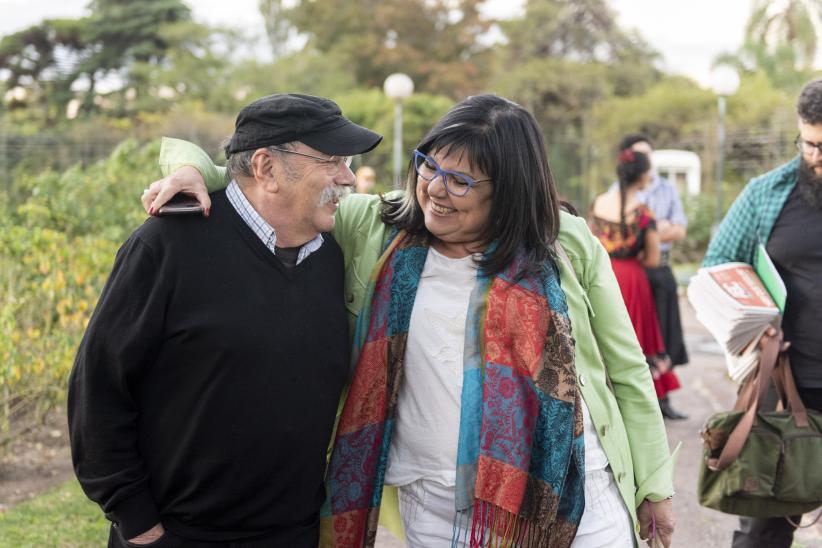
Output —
(57, 244)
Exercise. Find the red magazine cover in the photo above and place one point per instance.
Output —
(742, 284)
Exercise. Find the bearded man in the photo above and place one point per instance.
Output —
(782, 210)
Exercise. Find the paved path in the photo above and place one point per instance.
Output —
(706, 389)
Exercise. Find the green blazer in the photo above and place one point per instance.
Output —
(613, 376)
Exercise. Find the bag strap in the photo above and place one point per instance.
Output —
(785, 385)
(799, 525)
(794, 402)
(779, 383)
(770, 346)
(746, 392)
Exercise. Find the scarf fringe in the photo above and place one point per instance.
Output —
(494, 527)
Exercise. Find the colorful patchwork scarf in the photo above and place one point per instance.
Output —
(520, 457)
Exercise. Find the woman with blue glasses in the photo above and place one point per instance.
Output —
(498, 384)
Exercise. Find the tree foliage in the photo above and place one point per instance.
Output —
(562, 58)
(374, 110)
(42, 59)
(791, 29)
(780, 41)
(278, 28)
(564, 55)
(436, 42)
(49, 60)
(669, 110)
(132, 31)
(57, 245)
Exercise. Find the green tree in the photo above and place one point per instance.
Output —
(41, 59)
(126, 33)
(565, 54)
(57, 56)
(669, 111)
(130, 31)
(196, 67)
(562, 58)
(780, 41)
(278, 28)
(791, 28)
(372, 109)
(436, 42)
(778, 64)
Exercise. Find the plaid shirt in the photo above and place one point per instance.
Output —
(261, 228)
(752, 216)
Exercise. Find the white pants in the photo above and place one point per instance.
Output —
(427, 510)
(605, 521)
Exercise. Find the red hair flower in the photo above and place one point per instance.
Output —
(626, 155)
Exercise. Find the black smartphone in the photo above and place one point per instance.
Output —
(180, 204)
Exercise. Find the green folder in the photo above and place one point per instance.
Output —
(770, 277)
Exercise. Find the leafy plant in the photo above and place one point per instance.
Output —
(57, 245)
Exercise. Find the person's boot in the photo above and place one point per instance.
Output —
(669, 412)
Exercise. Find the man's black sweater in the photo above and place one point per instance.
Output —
(205, 388)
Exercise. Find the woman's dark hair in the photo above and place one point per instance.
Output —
(504, 141)
(633, 138)
(631, 166)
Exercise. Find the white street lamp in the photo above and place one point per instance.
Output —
(398, 87)
(724, 82)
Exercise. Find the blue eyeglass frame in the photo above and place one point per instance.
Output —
(444, 173)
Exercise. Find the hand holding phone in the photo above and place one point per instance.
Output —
(180, 204)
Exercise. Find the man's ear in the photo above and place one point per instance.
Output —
(265, 169)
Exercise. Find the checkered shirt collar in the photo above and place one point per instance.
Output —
(264, 231)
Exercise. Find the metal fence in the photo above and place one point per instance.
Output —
(748, 153)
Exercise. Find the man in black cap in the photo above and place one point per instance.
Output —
(204, 391)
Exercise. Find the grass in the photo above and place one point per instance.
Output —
(61, 516)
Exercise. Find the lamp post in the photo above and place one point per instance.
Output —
(724, 82)
(398, 87)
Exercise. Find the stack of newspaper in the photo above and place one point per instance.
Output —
(736, 307)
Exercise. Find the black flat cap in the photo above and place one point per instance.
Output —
(315, 121)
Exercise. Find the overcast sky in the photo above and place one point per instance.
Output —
(688, 34)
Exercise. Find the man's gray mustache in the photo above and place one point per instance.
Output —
(334, 193)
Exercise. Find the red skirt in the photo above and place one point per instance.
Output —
(636, 292)
(639, 300)
(665, 383)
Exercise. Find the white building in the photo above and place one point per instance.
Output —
(681, 167)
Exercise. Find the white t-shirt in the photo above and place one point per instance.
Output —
(426, 430)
